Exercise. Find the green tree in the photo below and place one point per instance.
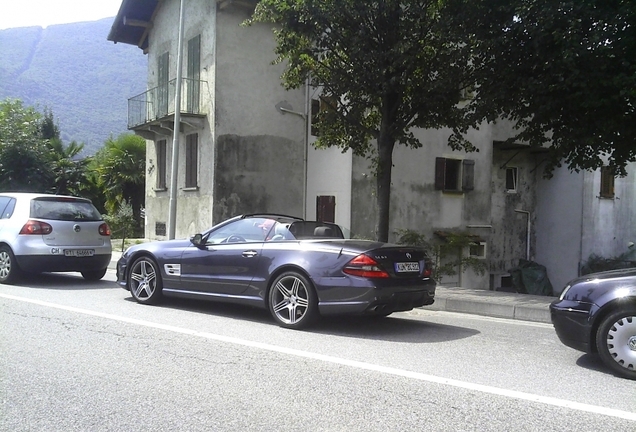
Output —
(69, 169)
(24, 156)
(384, 68)
(563, 71)
(120, 167)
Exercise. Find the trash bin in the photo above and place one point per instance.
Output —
(530, 277)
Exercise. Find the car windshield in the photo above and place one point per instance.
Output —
(64, 209)
(243, 230)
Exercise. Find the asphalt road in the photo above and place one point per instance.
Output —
(78, 356)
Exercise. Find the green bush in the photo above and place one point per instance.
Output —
(448, 250)
(596, 263)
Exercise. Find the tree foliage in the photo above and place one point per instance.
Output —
(384, 67)
(24, 161)
(120, 168)
(563, 71)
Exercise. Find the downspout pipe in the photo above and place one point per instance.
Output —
(527, 213)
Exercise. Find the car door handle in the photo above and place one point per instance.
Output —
(250, 254)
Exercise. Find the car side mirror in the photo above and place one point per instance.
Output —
(197, 240)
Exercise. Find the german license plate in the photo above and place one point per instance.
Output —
(79, 252)
(406, 267)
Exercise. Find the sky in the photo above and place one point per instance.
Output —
(43, 13)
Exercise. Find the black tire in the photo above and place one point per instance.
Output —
(9, 270)
(93, 275)
(616, 341)
(292, 301)
(144, 281)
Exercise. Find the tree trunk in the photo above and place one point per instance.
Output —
(383, 185)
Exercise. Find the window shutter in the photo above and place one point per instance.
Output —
(440, 172)
(468, 175)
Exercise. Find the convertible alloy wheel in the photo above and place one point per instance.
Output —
(292, 301)
(8, 267)
(144, 281)
(616, 342)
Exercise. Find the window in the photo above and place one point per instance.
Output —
(161, 164)
(477, 250)
(193, 75)
(607, 182)
(511, 179)
(454, 175)
(319, 106)
(192, 155)
(161, 108)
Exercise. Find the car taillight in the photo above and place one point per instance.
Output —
(365, 266)
(36, 227)
(104, 229)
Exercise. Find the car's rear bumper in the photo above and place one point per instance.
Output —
(61, 263)
(375, 300)
(572, 324)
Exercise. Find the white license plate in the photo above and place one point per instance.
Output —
(79, 252)
(405, 267)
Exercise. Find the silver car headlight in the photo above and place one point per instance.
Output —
(565, 291)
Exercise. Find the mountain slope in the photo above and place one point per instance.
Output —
(75, 72)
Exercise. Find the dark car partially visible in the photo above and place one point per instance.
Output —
(298, 270)
(596, 313)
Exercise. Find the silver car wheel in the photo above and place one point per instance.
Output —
(144, 281)
(9, 270)
(616, 342)
(292, 300)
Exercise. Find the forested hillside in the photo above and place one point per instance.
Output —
(72, 70)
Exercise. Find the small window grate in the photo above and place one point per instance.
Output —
(160, 228)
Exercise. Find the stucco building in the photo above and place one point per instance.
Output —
(245, 145)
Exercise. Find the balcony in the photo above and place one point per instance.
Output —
(152, 112)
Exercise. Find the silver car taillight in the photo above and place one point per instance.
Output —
(104, 229)
(36, 227)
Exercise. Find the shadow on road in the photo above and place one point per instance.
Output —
(62, 281)
(399, 327)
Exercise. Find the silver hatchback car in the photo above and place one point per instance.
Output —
(51, 233)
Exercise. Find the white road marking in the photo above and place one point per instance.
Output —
(351, 363)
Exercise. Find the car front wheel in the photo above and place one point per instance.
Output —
(616, 342)
(292, 301)
(9, 270)
(144, 281)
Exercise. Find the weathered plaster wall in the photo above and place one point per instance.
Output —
(253, 175)
(240, 96)
(416, 205)
(259, 151)
(329, 172)
(608, 224)
(194, 206)
(559, 225)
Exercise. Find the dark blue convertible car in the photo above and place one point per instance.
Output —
(298, 270)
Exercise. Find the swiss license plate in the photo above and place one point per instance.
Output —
(405, 267)
(79, 252)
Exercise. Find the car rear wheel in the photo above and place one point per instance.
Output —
(144, 281)
(93, 275)
(9, 270)
(292, 301)
(616, 342)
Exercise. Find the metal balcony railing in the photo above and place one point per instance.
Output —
(158, 102)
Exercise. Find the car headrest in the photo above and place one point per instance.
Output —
(323, 231)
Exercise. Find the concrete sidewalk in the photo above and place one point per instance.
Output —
(479, 302)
